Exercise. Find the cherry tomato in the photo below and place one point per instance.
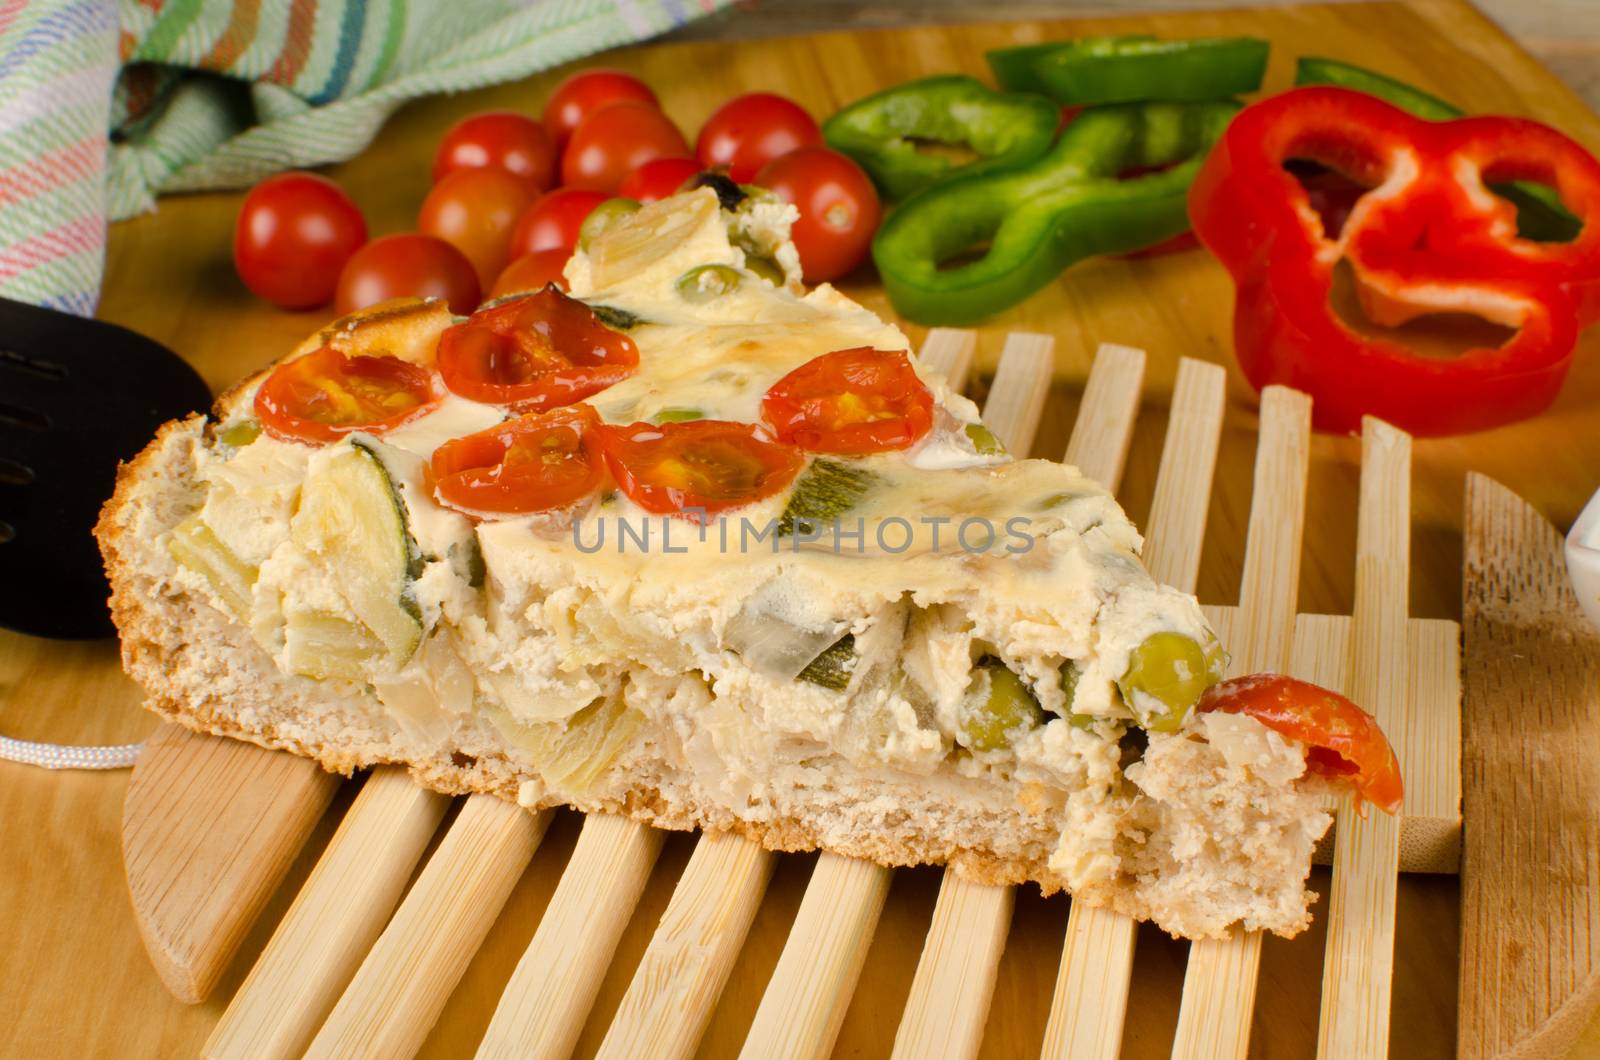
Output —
(532, 272)
(839, 209)
(712, 465)
(499, 138)
(474, 210)
(658, 178)
(749, 131)
(325, 395)
(615, 140)
(1342, 740)
(295, 232)
(408, 265)
(553, 222)
(850, 402)
(587, 91)
(530, 464)
(534, 353)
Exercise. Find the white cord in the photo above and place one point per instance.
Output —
(65, 756)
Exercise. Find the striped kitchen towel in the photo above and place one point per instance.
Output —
(105, 104)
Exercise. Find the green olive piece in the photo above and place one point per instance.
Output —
(764, 268)
(708, 283)
(240, 434)
(1166, 675)
(602, 217)
(984, 440)
(998, 705)
(678, 415)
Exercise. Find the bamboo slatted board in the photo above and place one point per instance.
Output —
(362, 965)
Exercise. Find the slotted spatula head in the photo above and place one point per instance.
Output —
(76, 397)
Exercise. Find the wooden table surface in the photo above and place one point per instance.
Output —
(78, 982)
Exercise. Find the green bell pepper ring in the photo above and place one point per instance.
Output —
(882, 131)
(1037, 220)
(1013, 67)
(1092, 70)
(1541, 216)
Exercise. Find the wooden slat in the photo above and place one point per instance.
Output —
(1430, 750)
(1219, 986)
(806, 999)
(1091, 995)
(542, 1010)
(400, 988)
(1176, 528)
(333, 921)
(954, 980)
(209, 827)
(1358, 964)
(949, 351)
(1021, 383)
(681, 975)
(1530, 871)
(1099, 443)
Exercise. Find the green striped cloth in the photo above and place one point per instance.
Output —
(106, 104)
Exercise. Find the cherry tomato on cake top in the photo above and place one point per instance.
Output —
(502, 139)
(533, 272)
(295, 232)
(712, 465)
(554, 221)
(749, 131)
(586, 91)
(658, 178)
(534, 353)
(475, 210)
(839, 209)
(408, 265)
(615, 140)
(534, 463)
(324, 395)
(850, 402)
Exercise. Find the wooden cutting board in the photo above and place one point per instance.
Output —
(78, 979)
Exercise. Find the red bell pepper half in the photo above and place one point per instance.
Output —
(1428, 237)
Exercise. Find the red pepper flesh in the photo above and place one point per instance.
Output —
(1429, 237)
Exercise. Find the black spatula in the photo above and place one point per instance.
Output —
(76, 396)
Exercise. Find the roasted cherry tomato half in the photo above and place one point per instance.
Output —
(585, 92)
(850, 402)
(1342, 740)
(325, 394)
(534, 353)
(697, 466)
(554, 221)
(501, 139)
(658, 178)
(534, 463)
(749, 131)
(533, 272)
(614, 141)
(407, 265)
(475, 210)
(838, 205)
(295, 232)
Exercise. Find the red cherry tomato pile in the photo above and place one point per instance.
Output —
(510, 194)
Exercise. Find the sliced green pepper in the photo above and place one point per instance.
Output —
(1013, 67)
(884, 131)
(1134, 69)
(1541, 215)
(1029, 224)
